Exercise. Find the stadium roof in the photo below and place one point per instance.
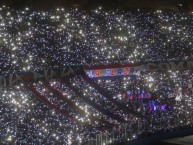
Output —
(45, 4)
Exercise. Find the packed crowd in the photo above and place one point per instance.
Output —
(75, 110)
(35, 40)
(87, 116)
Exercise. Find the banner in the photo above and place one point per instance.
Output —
(111, 72)
(169, 66)
(12, 79)
(135, 69)
(94, 71)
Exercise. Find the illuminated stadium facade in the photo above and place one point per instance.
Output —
(93, 77)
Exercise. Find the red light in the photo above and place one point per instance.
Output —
(112, 72)
(98, 73)
(126, 71)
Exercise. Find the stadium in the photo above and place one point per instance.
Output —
(94, 77)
